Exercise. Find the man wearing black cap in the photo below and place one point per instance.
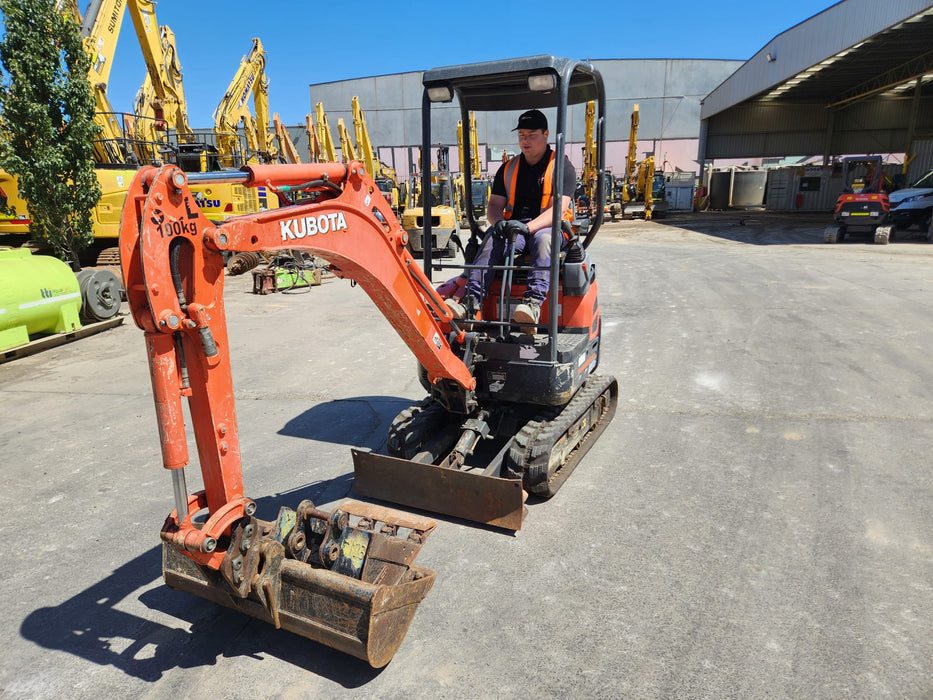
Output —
(521, 191)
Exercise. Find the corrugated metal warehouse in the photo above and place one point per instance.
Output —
(668, 93)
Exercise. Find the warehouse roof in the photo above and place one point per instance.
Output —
(858, 66)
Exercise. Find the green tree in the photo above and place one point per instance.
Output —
(47, 127)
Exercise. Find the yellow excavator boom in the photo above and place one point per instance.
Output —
(324, 136)
(160, 103)
(285, 143)
(347, 149)
(233, 110)
(314, 144)
(100, 30)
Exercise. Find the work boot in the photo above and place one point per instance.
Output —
(466, 309)
(529, 311)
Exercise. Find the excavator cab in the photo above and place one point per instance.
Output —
(538, 403)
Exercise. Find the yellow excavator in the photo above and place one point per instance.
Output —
(445, 212)
(100, 29)
(314, 144)
(233, 110)
(130, 140)
(620, 190)
(126, 141)
(587, 201)
(480, 186)
(384, 176)
(160, 103)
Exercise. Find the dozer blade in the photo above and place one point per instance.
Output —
(360, 601)
(461, 494)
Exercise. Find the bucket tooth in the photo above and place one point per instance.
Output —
(361, 604)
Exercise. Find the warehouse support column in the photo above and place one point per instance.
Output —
(828, 144)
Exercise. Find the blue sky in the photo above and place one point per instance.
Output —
(322, 42)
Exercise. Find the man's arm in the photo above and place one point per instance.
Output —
(543, 220)
(495, 209)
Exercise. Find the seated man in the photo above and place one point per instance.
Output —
(521, 191)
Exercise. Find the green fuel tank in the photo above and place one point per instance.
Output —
(39, 294)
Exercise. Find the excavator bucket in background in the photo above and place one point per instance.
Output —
(471, 495)
(353, 587)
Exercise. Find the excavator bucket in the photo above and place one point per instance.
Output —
(350, 586)
(470, 495)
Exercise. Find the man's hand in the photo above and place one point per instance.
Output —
(509, 229)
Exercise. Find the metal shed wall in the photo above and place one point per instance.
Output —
(668, 92)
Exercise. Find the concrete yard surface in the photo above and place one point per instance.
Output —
(757, 521)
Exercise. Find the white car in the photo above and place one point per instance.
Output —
(914, 204)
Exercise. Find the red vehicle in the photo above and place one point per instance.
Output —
(863, 206)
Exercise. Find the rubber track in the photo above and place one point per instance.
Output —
(534, 443)
(408, 429)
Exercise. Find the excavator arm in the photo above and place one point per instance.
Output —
(286, 145)
(100, 30)
(173, 267)
(250, 79)
(363, 142)
(324, 137)
(347, 149)
(631, 160)
(314, 145)
(172, 259)
(160, 103)
(163, 91)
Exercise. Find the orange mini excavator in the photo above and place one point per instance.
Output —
(347, 578)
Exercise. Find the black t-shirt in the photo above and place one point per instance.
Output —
(529, 186)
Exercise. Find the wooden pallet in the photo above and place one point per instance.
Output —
(50, 341)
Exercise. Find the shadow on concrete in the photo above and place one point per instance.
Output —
(760, 227)
(753, 227)
(95, 625)
(361, 421)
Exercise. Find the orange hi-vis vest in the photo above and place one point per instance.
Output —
(510, 177)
